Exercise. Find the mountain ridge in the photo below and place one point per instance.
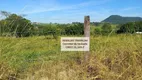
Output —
(117, 19)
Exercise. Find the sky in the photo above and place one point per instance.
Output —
(67, 11)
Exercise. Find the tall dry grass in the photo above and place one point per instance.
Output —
(117, 57)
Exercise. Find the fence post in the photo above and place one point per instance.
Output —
(87, 34)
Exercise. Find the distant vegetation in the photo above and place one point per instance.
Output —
(116, 19)
(18, 26)
(130, 27)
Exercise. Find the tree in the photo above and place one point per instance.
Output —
(75, 29)
(17, 25)
(127, 28)
(106, 28)
(5, 13)
(138, 26)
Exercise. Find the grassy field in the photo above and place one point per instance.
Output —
(117, 57)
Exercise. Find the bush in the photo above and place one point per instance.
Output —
(97, 31)
(106, 28)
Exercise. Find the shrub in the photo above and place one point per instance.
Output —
(97, 31)
(106, 28)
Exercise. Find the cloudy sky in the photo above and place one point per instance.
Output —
(67, 11)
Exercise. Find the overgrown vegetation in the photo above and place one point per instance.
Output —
(117, 57)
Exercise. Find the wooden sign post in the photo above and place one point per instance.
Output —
(79, 43)
(87, 34)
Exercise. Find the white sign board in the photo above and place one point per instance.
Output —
(75, 43)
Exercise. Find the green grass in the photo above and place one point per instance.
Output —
(117, 57)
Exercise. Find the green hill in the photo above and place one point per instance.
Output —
(116, 19)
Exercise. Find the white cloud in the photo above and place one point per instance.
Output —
(31, 9)
(70, 13)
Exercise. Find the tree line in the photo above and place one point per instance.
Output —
(18, 26)
(130, 27)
